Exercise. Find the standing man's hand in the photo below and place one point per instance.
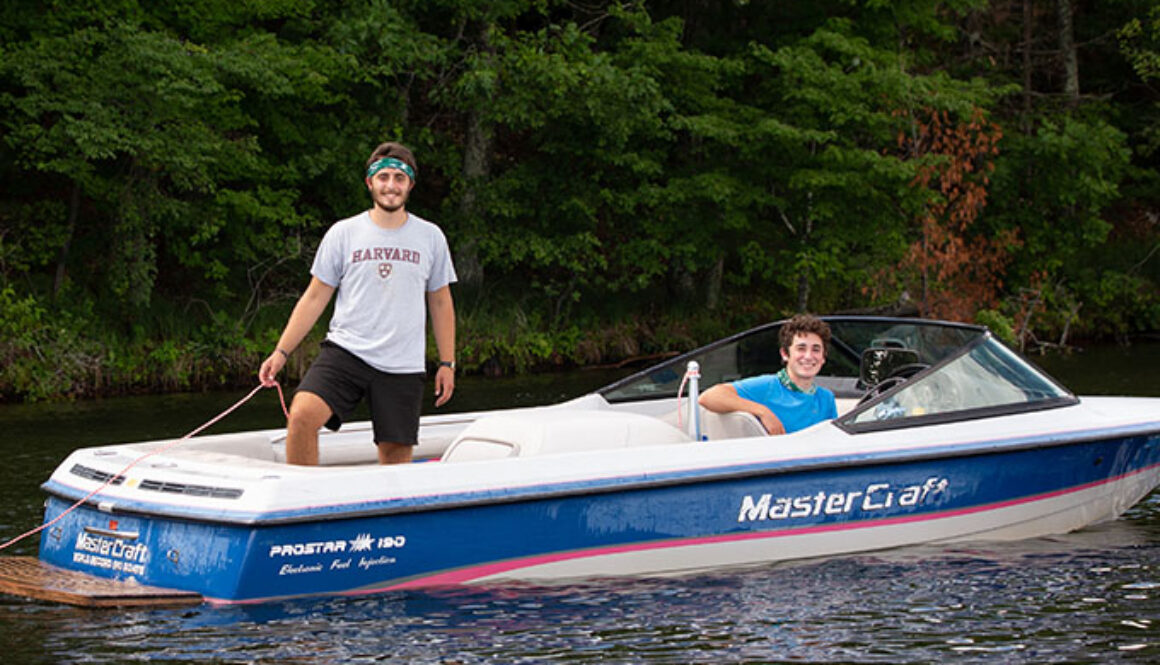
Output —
(271, 367)
(444, 384)
(442, 309)
(309, 307)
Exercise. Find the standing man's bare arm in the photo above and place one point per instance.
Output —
(310, 306)
(442, 309)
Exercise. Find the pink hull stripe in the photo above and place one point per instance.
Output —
(465, 575)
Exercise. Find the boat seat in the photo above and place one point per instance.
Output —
(253, 446)
(554, 431)
(720, 426)
(732, 425)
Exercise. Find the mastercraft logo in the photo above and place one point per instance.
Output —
(110, 553)
(873, 498)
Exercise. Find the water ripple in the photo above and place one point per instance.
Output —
(1087, 597)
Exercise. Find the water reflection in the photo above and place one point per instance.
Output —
(1107, 369)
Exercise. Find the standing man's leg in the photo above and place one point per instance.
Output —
(394, 453)
(396, 402)
(308, 413)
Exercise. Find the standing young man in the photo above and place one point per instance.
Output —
(389, 268)
(787, 401)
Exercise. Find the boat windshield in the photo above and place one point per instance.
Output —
(756, 352)
(986, 378)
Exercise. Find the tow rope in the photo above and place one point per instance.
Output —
(120, 474)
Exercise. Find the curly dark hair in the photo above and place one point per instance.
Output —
(801, 324)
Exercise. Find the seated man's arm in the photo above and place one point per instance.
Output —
(723, 398)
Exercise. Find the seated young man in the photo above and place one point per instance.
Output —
(787, 401)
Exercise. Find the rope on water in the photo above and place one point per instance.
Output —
(121, 473)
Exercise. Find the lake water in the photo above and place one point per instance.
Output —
(1087, 597)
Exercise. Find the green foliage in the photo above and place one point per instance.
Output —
(509, 339)
(1140, 43)
(1001, 325)
(1123, 302)
(155, 134)
(1053, 186)
(623, 179)
(42, 354)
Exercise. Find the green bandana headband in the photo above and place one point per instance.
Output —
(391, 163)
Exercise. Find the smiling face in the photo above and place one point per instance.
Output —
(389, 189)
(804, 358)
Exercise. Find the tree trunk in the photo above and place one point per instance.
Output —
(1066, 16)
(74, 205)
(716, 277)
(1028, 32)
(803, 293)
(477, 148)
(803, 290)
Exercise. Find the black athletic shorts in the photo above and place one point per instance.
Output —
(342, 379)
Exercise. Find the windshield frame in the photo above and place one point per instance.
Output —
(840, 351)
(848, 422)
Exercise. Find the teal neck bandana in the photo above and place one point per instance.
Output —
(783, 376)
(390, 163)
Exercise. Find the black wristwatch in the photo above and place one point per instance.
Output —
(447, 363)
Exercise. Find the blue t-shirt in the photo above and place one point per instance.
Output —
(794, 408)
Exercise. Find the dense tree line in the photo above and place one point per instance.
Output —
(615, 178)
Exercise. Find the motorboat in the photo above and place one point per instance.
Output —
(945, 434)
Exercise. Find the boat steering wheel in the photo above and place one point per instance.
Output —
(900, 375)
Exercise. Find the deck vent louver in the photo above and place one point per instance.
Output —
(93, 474)
(191, 490)
(159, 485)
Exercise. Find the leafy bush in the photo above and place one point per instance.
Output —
(43, 354)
